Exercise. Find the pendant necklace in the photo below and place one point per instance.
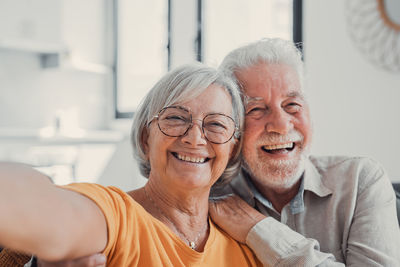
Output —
(192, 244)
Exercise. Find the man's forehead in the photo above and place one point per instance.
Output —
(290, 94)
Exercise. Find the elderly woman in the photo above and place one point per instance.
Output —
(186, 138)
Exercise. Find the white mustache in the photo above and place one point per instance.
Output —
(276, 138)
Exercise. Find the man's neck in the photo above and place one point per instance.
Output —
(278, 197)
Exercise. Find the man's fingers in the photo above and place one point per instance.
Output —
(227, 209)
(229, 205)
(234, 216)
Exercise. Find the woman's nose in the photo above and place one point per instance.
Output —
(194, 134)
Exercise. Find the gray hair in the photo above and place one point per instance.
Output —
(268, 50)
(183, 84)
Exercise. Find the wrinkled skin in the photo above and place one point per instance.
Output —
(235, 216)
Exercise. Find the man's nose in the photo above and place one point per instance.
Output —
(279, 122)
(195, 135)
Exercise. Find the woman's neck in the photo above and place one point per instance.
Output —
(185, 213)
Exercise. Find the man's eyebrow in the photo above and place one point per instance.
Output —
(253, 99)
(247, 100)
(291, 94)
(296, 94)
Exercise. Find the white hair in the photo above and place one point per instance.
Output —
(268, 50)
(183, 84)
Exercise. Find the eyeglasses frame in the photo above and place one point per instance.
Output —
(191, 123)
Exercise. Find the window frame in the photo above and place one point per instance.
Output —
(127, 115)
(298, 23)
(297, 39)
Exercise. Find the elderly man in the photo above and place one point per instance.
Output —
(325, 211)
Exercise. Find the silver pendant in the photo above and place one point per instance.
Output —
(192, 245)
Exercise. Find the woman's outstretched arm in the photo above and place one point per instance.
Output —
(40, 218)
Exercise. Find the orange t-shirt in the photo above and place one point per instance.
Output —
(136, 238)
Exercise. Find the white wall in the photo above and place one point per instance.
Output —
(355, 105)
(122, 170)
(29, 94)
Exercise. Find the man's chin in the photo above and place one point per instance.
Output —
(277, 176)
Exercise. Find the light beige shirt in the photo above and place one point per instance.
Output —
(344, 213)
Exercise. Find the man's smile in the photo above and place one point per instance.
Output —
(279, 148)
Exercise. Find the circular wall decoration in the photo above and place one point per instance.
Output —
(374, 26)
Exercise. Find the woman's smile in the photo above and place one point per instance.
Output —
(190, 158)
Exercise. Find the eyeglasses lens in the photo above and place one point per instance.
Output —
(217, 128)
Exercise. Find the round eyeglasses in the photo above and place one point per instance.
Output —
(175, 121)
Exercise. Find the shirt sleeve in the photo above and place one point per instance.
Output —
(275, 244)
(374, 237)
(109, 200)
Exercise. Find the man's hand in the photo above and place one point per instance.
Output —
(95, 260)
(234, 216)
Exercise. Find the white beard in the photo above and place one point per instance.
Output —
(274, 174)
(278, 175)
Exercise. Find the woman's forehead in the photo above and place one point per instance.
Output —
(214, 99)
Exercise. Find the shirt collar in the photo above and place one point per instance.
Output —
(310, 181)
(241, 187)
(313, 180)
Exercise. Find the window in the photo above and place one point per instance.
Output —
(204, 30)
(228, 24)
(141, 50)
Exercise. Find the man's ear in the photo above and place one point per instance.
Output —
(144, 140)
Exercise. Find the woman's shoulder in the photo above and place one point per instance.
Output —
(92, 189)
(110, 197)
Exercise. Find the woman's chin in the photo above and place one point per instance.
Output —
(192, 181)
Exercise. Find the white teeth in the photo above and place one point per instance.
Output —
(281, 146)
(190, 159)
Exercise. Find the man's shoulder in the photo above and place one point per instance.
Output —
(237, 186)
(359, 171)
(326, 163)
(221, 191)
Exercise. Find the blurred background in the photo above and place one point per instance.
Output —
(73, 72)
